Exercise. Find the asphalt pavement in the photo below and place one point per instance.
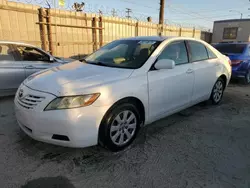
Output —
(204, 146)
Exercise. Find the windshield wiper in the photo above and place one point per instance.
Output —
(99, 63)
(83, 60)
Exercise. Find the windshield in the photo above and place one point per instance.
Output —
(124, 53)
(231, 48)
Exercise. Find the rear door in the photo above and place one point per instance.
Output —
(33, 59)
(11, 71)
(205, 65)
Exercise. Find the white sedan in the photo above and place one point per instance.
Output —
(107, 97)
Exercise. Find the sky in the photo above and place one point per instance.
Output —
(199, 13)
(187, 13)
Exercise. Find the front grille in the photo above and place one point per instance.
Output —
(30, 101)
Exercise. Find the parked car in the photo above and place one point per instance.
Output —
(126, 84)
(239, 53)
(18, 61)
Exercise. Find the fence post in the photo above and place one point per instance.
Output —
(94, 34)
(160, 29)
(100, 32)
(42, 28)
(193, 32)
(49, 30)
(180, 31)
(137, 29)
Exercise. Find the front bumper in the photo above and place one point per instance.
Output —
(79, 125)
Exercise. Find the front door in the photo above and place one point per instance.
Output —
(11, 72)
(33, 59)
(171, 89)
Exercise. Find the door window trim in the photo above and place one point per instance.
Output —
(180, 40)
(35, 48)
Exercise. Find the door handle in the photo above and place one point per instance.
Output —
(29, 67)
(189, 71)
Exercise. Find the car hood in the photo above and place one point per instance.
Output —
(72, 77)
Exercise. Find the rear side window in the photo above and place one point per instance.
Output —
(198, 51)
(6, 53)
(211, 54)
(231, 48)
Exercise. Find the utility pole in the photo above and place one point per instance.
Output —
(114, 14)
(128, 11)
(161, 14)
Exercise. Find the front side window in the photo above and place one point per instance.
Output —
(123, 53)
(175, 51)
(27, 53)
(198, 51)
(230, 33)
(6, 53)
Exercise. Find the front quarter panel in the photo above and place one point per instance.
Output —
(131, 87)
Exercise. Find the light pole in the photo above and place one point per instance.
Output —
(241, 14)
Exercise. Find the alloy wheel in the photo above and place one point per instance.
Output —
(218, 91)
(123, 128)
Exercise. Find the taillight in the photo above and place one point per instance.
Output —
(236, 62)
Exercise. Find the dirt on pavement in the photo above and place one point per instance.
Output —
(203, 146)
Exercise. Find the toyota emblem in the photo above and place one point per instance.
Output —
(20, 94)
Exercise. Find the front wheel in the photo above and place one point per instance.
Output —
(217, 92)
(119, 127)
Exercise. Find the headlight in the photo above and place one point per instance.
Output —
(72, 102)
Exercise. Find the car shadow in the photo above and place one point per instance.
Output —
(49, 182)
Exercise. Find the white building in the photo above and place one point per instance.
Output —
(237, 30)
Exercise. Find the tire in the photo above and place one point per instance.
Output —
(247, 78)
(217, 91)
(115, 128)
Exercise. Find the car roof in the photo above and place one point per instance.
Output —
(158, 38)
(233, 43)
(14, 42)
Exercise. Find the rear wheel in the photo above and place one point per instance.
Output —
(247, 78)
(218, 90)
(119, 127)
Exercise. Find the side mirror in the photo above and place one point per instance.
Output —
(165, 64)
(51, 59)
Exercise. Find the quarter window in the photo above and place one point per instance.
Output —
(175, 51)
(211, 54)
(198, 51)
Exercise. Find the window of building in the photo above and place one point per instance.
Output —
(230, 33)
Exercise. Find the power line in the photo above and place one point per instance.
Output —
(202, 17)
(227, 15)
(131, 2)
(114, 13)
(128, 11)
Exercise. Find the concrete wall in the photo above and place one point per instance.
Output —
(243, 30)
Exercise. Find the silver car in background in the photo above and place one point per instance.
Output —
(19, 60)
